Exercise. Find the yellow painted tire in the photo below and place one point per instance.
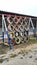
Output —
(18, 40)
(11, 33)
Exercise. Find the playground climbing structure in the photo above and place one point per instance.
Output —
(17, 27)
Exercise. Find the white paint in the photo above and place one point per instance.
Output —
(3, 20)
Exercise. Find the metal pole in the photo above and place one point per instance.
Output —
(4, 25)
(3, 29)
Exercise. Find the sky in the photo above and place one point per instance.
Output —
(26, 7)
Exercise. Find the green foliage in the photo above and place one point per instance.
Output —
(32, 40)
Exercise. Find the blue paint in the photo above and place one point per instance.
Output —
(9, 40)
(3, 36)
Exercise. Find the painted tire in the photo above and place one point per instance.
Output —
(13, 34)
(21, 34)
(15, 20)
(9, 33)
(18, 40)
(16, 34)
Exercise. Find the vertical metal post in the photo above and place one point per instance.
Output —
(30, 20)
(4, 25)
(3, 29)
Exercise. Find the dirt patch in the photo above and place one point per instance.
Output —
(21, 55)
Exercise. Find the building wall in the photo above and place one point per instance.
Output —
(36, 26)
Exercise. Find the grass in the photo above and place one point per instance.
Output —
(12, 55)
(1, 60)
(2, 56)
(23, 52)
(3, 49)
(20, 52)
(32, 40)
